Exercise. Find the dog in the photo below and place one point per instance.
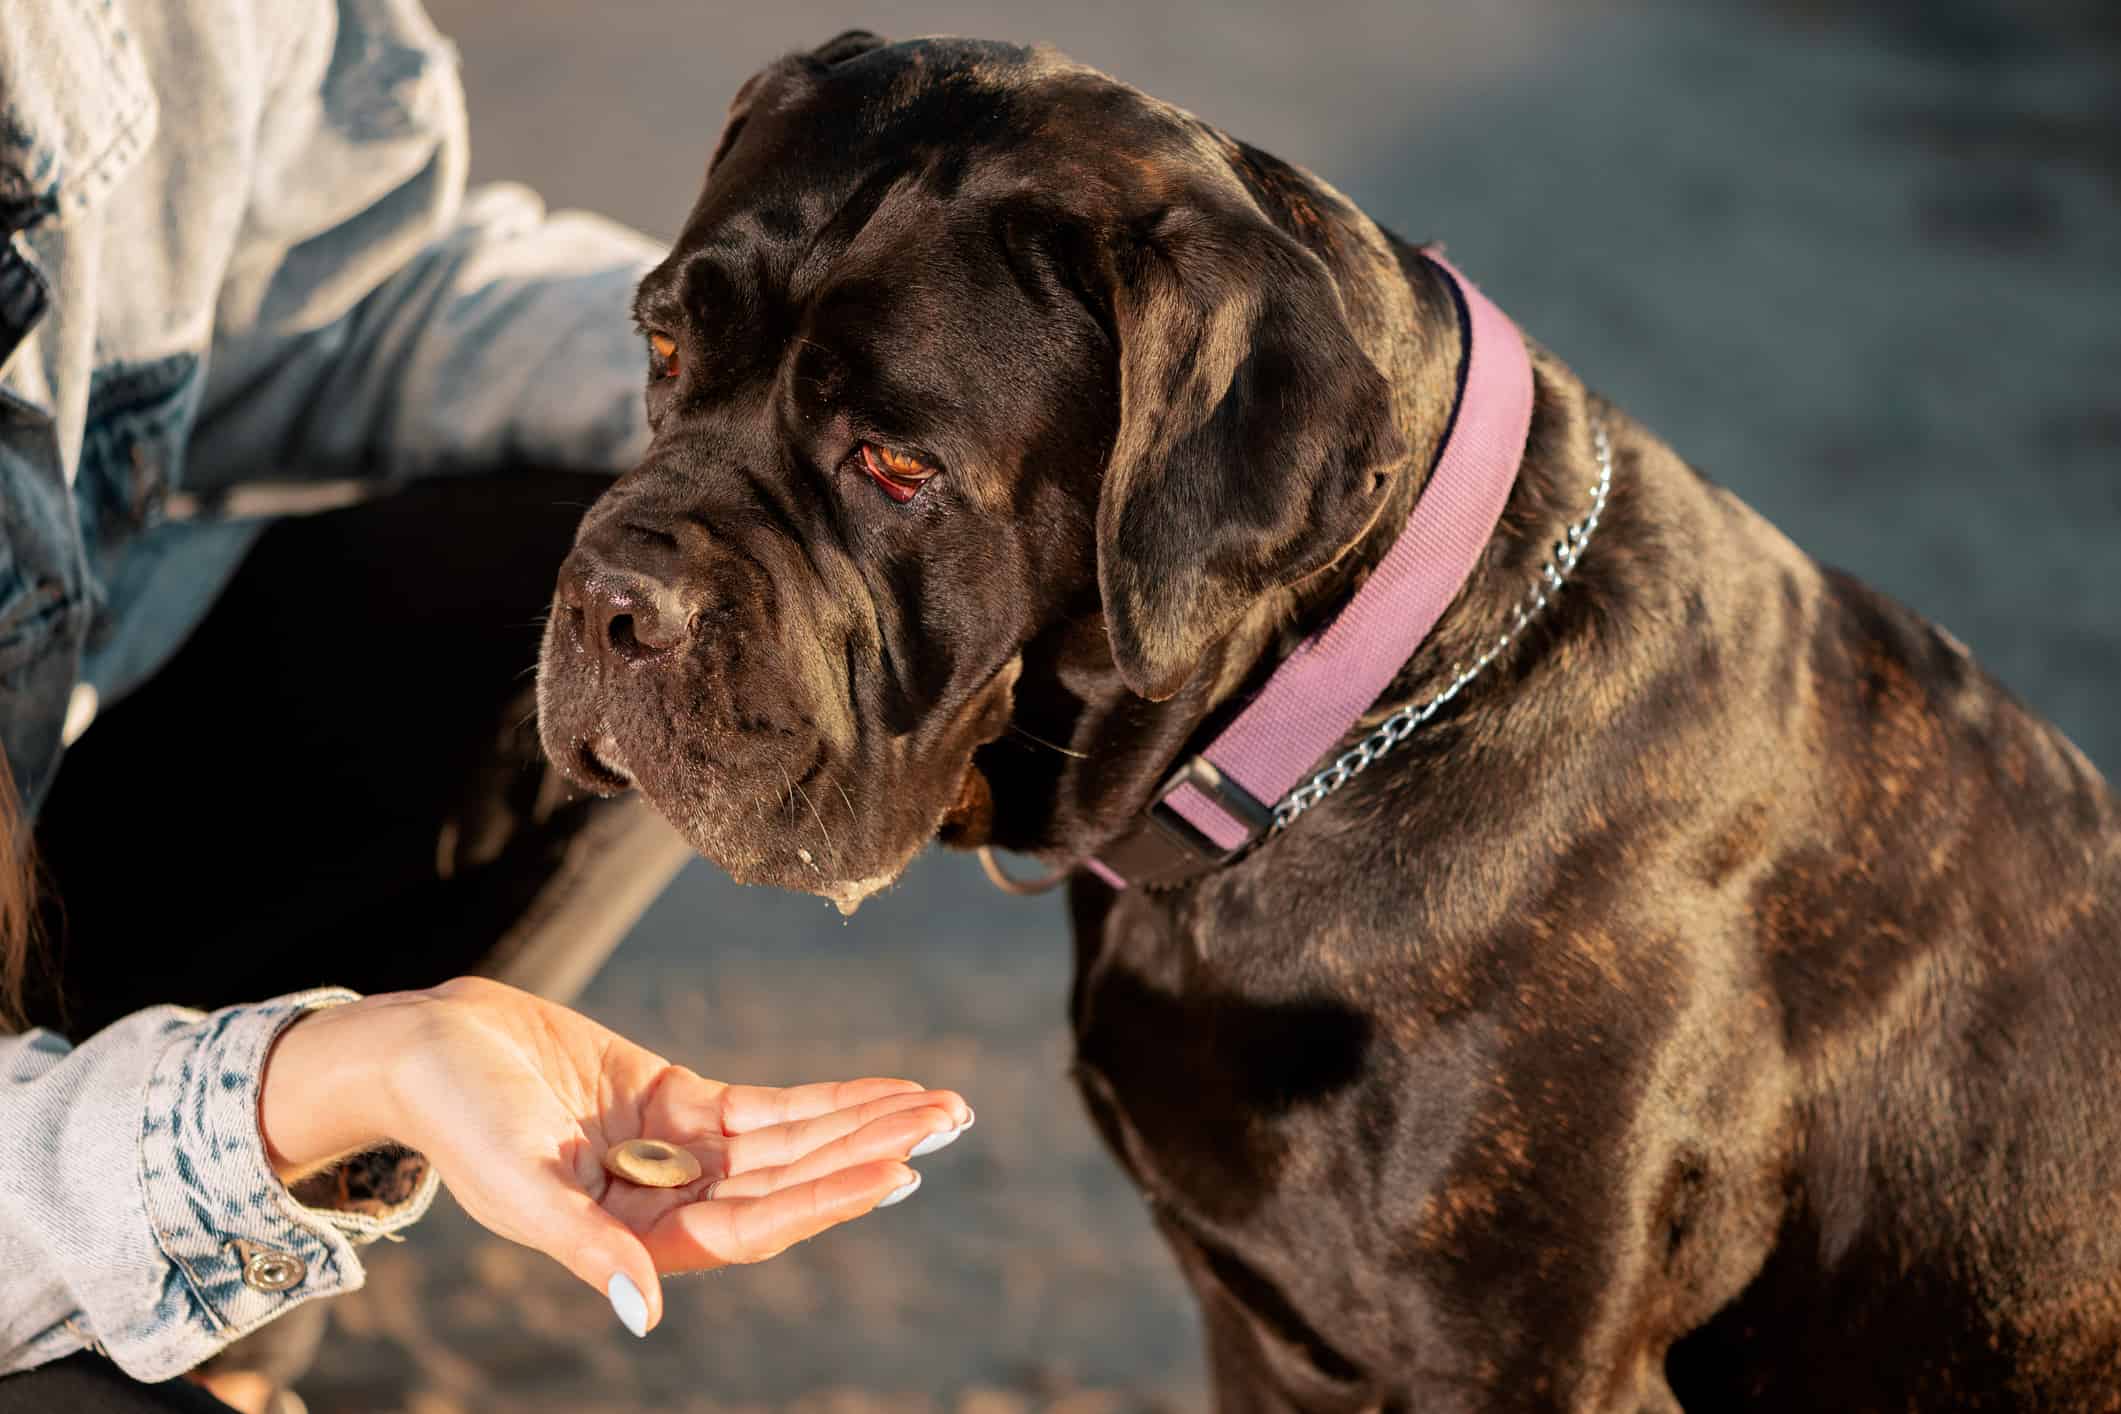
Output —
(1713, 1003)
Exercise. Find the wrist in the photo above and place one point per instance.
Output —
(322, 1096)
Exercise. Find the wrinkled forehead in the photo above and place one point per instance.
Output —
(921, 133)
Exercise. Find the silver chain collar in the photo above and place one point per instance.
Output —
(1553, 573)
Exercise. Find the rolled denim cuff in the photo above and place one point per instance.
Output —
(242, 1249)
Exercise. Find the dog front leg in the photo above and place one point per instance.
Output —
(1265, 1358)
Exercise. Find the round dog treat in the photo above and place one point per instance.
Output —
(651, 1163)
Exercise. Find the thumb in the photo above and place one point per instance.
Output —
(578, 1234)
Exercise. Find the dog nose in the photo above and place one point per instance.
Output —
(623, 615)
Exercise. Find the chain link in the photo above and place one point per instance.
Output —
(1553, 573)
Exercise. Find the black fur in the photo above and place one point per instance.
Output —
(1718, 1007)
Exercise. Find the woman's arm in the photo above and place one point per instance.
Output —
(144, 1200)
(515, 1100)
(506, 340)
(373, 320)
(139, 1212)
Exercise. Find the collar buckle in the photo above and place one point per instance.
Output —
(1234, 800)
(1166, 848)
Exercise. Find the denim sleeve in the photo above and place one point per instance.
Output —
(508, 341)
(139, 1214)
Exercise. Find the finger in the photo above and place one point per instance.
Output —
(893, 1137)
(576, 1232)
(785, 1143)
(749, 1107)
(718, 1233)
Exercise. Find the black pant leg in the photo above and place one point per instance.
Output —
(90, 1384)
(337, 779)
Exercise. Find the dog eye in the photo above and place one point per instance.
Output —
(663, 355)
(900, 475)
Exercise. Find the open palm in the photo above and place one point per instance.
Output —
(514, 1100)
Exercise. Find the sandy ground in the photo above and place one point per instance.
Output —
(1865, 274)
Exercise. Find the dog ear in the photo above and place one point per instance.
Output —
(739, 114)
(847, 44)
(1253, 440)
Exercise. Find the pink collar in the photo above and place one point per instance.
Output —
(1220, 802)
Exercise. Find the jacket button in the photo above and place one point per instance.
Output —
(265, 1269)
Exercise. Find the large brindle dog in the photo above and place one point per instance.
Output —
(1717, 1005)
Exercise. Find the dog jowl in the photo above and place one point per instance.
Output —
(1717, 1005)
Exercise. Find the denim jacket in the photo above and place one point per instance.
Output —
(239, 273)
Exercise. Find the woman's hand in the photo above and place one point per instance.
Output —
(514, 1101)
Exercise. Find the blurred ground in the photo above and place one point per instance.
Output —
(1867, 273)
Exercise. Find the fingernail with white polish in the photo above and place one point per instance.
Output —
(901, 1193)
(935, 1141)
(970, 1116)
(626, 1301)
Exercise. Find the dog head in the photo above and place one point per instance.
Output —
(961, 342)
